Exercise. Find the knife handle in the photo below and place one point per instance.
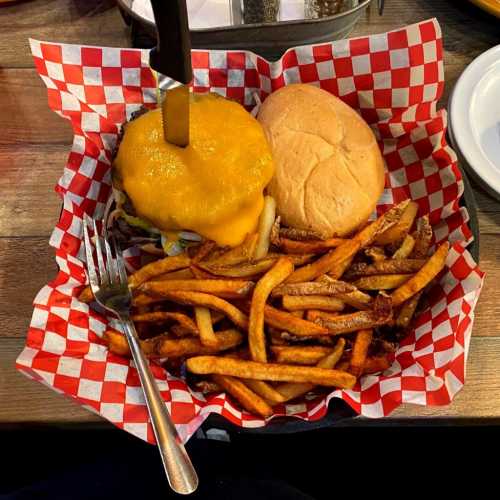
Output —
(172, 54)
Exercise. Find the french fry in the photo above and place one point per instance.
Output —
(360, 351)
(423, 238)
(296, 302)
(296, 258)
(240, 271)
(244, 395)
(405, 249)
(374, 364)
(86, 295)
(388, 266)
(239, 254)
(274, 236)
(158, 267)
(142, 300)
(356, 299)
(423, 277)
(256, 336)
(265, 391)
(287, 322)
(329, 288)
(381, 282)
(314, 314)
(298, 314)
(292, 390)
(204, 323)
(336, 261)
(182, 331)
(180, 274)
(375, 253)
(408, 311)
(266, 222)
(229, 289)
(312, 246)
(205, 365)
(203, 251)
(299, 234)
(213, 303)
(164, 347)
(162, 316)
(399, 231)
(346, 323)
(299, 355)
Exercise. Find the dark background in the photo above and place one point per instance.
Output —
(94, 462)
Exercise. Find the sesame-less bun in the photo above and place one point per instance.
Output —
(329, 170)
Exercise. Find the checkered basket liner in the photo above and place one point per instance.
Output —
(393, 80)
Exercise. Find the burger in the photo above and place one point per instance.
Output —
(313, 154)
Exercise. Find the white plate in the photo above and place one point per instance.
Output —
(475, 117)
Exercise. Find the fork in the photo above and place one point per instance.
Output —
(110, 288)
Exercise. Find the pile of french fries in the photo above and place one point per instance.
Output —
(286, 312)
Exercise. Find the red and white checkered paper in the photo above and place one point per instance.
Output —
(393, 80)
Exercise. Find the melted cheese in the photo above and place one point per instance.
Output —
(214, 186)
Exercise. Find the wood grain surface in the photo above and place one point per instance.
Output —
(34, 144)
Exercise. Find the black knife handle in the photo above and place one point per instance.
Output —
(172, 54)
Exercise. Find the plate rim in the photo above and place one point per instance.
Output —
(461, 95)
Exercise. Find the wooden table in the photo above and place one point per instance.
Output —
(34, 144)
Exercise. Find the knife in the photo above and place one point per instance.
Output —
(172, 58)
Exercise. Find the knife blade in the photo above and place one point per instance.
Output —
(172, 58)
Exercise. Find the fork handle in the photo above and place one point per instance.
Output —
(180, 471)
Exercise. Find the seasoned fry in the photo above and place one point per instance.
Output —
(230, 289)
(375, 253)
(256, 336)
(399, 231)
(298, 314)
(356, 299)
(405, 249)
(265, 390)
(244, 395)
(360, 351)
(336, 261)
(299, 234)
(240, 271)
(158, 267)
(299, 355)
(296, 302)
(346, 323)
(388, 266)
(381, 282)
(239, 254)
(161, 316)
(297, 259)
(181, 274)
(275, 232)
(203, 251)
(314, 314)
(182, 331)
(376, 364)
(204, 365)
(204, 323)
(86, 295)
(164, 347)
(423, 277)
(213, 303)
(423, 238)
(408, 310)
(291, 390)
(287, 322)
(143, 300)
(266, 222)
(332, 287)
(312, 246)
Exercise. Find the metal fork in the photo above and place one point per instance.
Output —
(110, 288)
